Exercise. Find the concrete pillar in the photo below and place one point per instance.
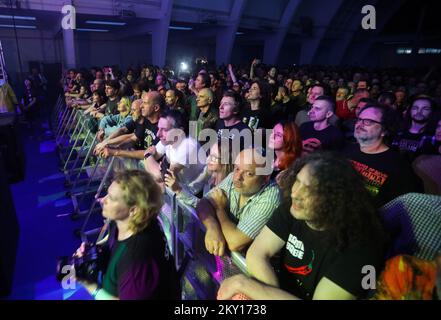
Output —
(226, 35)
(160, 34)
(70, 56)
(273, 44)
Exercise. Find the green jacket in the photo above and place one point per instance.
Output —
(8, 97)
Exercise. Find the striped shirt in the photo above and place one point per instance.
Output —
(252, 217)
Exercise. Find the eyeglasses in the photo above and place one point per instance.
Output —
(213, 158)
(368, 122)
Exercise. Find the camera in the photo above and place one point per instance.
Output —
(88, 267)
(164, 166)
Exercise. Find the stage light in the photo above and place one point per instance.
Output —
(91, 30)
(184, 66)
(108, 23)
(3, 16)
(17, 26)
(180, 28)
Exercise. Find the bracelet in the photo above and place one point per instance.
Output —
(95, 292)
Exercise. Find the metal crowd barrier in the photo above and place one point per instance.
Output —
(201, 272)
(83, 171)
(88, 178)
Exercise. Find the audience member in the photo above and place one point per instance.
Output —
(325, 243)
(318, 133)
(387, 175)
(235, 211)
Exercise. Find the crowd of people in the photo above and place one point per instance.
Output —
(339, 142)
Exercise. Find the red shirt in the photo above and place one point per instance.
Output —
(342, 111)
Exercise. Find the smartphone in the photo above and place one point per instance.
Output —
(165, 165)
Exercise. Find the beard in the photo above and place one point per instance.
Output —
(315, 119)
(362, 137)
(419, 119)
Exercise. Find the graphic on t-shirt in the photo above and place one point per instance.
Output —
(150, 137)
(225, 134)
(408, 145)
(373, 178)
(297, 249)
(253, 122)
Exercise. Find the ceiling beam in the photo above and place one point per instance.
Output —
(227, 35)
(323, 14)
(367, 38)
(274, 42)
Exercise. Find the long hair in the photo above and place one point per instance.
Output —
(292, 144)
(341, 204)
(430, 126)
(127, 104)
(140, 190)
(265, 93)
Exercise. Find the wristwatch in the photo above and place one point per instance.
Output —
(147, 154)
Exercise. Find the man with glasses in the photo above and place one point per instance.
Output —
(319, 133)
(387, 175)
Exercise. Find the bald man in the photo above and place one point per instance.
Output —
(235, 211)
(140, 134)
(209, 114)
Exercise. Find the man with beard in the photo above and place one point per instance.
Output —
(174, 99)
(387, 175)
(417, 127)
(318, 133)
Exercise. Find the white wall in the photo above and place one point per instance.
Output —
(92, 50)
(33, 45)
(99, 50)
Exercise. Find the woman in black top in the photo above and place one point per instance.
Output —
(141, 266)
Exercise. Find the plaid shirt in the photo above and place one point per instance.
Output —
(414, 219)
(253, 216)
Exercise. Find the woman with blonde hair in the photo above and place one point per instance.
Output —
(112, 122)
(140, 266)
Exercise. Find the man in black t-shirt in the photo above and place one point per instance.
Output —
(318, 133)
(417, 128)
(229, 126)
(141, 133)
(387, 175)
(325, 246)
(111, 107)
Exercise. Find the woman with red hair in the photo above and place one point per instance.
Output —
(286, 142)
